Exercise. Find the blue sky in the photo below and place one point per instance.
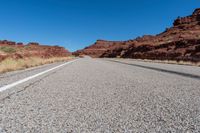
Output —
(75, 24)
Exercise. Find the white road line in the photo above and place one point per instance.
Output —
(34, 76)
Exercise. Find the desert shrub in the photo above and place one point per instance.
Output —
(144, 48)
(7, 49)
(26, 47)
(181, 44)
(197, 48)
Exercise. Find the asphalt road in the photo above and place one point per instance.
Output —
(102, 95)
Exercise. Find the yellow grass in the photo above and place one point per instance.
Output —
(10, 64)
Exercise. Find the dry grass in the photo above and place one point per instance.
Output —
(10, 64)
(7, 49)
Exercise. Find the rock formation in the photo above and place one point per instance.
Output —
(180, 42)
(97, 49)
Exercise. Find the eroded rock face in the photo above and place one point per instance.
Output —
(180, 42)
(100, 47)
(186, 50)
(97, 49)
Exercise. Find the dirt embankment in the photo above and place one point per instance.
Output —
(14, 56)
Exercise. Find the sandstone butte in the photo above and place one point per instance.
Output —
(19, 50)
(180, 42)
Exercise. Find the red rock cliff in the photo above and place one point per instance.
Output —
(180, 42)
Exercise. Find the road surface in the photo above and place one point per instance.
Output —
(102, 95)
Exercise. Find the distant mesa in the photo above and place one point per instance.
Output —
(33, 43)
(20, 44)
(6, 42)
(180, 42)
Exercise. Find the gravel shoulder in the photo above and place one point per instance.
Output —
(181, 70)
(10, 77)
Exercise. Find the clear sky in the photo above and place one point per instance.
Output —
(75, 24)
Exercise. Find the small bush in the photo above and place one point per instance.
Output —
(26, 47)
(7, 49)
(197, 48)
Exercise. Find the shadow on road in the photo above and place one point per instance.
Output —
(160, 70)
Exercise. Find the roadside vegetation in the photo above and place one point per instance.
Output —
(7, 49)
(11, 64)
(18, 56)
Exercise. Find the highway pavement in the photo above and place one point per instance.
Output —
(101, 95)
